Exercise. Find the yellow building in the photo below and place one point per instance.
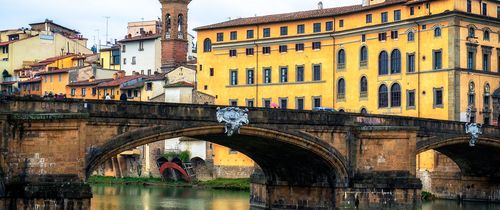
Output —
(86, 89)
(54, 81)
(428, 59)
(110, 58)
(18, 54)
(229, 163)
(113, 88)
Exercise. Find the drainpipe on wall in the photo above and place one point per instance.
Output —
(333, 61)
(257, 69)
(418, 68)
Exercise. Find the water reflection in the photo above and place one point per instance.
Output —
(133, 197)
(453, 205)
(119, 197)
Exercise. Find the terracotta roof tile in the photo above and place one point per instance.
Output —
(180, 84)
(88, 83)
(317, 13)
(137, 38)
(33, 80)
(118, 82)
(157, 77)
(8, 83)
(55, 71)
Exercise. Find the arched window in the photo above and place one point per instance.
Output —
(341, 89)
(363, 111)
(437, 32)
(383, 98)
(472, 32)
(395, 62)
(486, 35)
(180, 22)
(341, 59)
(383, 63)
(472, 94)
(396, 95)
(168, 23)
(411, 36)
(486, 100)
(363, 87)
(207, 45)
(363, 57)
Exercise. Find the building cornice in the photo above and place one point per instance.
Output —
(361, 30)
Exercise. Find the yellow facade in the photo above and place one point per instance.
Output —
(107, 59)
(38, 48)
(224, 156)
(54, 82)
(348, 38)
(425, 31)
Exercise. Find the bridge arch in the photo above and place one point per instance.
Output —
(481, 160)
(293, 157)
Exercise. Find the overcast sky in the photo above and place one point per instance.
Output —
(88, 16)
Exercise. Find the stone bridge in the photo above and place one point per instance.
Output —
(309, 160)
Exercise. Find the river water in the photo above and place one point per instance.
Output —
(135, 197)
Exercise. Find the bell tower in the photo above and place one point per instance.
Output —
(174, 35)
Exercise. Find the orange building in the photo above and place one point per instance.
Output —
(112, 88)
(31, 87)
(54, 81)
(84, 89)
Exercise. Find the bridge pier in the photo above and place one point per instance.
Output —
(380, 191)
(455, 186)
(282, 195)
(47, 192)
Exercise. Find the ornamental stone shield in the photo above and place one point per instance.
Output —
(233, 117)
(474, 129)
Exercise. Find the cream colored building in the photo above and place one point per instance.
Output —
(31, 49)
(143, 27)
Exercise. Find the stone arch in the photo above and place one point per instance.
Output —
(197, 161)
(481, 160)
(320, 157)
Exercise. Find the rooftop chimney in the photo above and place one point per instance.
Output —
(320, 5)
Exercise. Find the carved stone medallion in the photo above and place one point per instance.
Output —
(474, 129)
(233, 117)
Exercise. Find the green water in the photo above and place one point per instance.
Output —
(134, 197)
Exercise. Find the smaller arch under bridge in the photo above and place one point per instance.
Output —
(312, 160)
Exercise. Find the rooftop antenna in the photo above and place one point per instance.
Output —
(107, 20)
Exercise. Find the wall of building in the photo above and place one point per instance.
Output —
(182, 74)
(157, 89)
(30, 89)
(37, 48)
(349, 40)
(195, 147)
(55, 83)
(104, 73)
(230, 163)
(79, 92)
(106, 60)
(148, 59)
(179, 95)
(134, 28)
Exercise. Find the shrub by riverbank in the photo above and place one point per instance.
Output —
(228, 184)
